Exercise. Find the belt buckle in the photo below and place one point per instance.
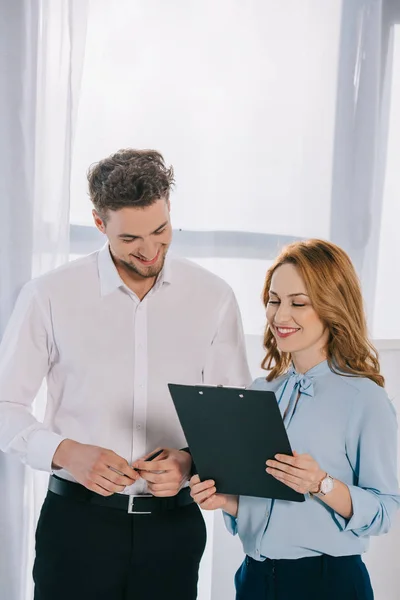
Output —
(131, 507)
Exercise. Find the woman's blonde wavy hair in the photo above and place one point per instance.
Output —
(334, 290)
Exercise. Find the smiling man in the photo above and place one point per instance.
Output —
(109, 332)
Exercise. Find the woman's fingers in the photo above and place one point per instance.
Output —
(284, 468)
(200, 497)
(212, 503)
(199, 486)
(284, 477)
(202, 491)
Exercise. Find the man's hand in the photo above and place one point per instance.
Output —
(166, 474)
(204, 493)
(99, 470)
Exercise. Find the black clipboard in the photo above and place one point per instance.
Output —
(231, 433)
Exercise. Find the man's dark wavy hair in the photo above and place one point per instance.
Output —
(136, 178)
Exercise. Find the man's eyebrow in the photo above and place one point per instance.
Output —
(135, 237)
(161, 227)
(128, 235)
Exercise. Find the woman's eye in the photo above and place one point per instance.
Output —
(298, 304)
(273, 302)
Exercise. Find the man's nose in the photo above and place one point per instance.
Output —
(148, 250)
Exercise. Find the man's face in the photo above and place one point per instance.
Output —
(139, 237)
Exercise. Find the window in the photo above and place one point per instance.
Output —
(249, 127)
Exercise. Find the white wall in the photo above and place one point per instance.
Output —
(382, 559)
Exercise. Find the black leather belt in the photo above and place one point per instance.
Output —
(135, 505)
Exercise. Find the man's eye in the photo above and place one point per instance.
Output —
(160, 232)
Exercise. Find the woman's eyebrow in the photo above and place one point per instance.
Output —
(290, 295)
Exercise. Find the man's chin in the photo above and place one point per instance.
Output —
(143, 271)
(147, 272)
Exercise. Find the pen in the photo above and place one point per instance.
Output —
(152, 456)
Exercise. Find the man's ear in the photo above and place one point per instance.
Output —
(98, 221)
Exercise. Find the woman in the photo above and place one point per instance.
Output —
(341, 425)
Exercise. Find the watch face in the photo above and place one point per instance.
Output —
(326, 485)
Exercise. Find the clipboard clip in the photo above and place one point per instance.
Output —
(232, 387)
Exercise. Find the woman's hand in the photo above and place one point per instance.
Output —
(204, 493)
(300, 472)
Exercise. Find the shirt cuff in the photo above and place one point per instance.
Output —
(42, 446)
(193, 469)
(230, 523)
(365, 507)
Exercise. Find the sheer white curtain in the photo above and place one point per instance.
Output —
(16, 237)
(42, 45)
(386, 320)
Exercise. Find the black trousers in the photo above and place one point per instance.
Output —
(87, 552)
(327, 577)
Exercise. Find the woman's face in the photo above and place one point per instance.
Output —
(293, 321)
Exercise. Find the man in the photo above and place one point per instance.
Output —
(109, 332)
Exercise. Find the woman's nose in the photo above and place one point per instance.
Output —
(283, 314)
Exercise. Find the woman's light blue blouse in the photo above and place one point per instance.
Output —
(348, 425)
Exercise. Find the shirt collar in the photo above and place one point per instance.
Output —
(320, 369)
(110, 279)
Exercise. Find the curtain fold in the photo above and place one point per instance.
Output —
(18, 51)
(42, 45)
(361, 130)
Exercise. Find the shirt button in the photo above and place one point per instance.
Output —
(138, 427)
(257, 552)
(267, 513)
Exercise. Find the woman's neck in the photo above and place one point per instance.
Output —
(304, 361)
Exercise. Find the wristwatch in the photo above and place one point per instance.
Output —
(326, 485)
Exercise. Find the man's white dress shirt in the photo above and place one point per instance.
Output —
(108, 357)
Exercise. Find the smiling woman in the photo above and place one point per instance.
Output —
(330, 323)
(326, 378)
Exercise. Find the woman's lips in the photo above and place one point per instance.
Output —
(284, 332)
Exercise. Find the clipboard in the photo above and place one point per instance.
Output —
(231, 433)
